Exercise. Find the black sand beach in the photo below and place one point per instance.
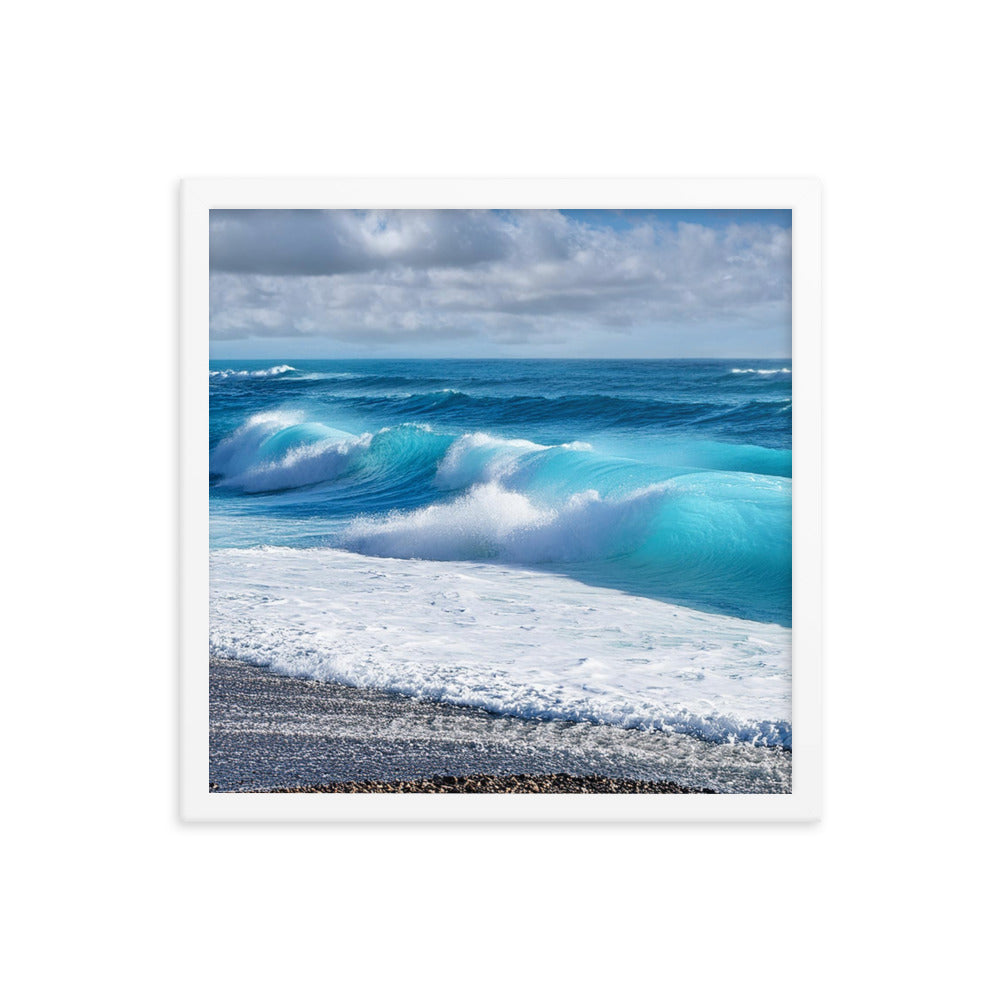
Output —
(271, 733)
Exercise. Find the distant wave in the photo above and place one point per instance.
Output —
(761, 371)
(595, 410)
(260, 373)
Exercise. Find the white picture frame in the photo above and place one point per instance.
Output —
(199, 196)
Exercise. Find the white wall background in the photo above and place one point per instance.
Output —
(891, 105)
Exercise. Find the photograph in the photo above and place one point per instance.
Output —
(500, 501)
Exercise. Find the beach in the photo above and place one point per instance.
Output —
(271, 732)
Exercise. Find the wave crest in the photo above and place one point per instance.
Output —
(278, 451)
(493, 523)
(260, 373)
(480, 458)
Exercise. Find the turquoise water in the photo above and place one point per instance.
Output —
(664, 479)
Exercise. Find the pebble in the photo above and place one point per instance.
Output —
(505, 784)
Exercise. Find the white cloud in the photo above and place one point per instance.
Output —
(418, 278)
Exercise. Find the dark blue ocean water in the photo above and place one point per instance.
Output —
(668, 479)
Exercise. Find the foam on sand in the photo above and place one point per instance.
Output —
(513, 641)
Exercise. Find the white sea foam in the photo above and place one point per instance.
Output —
(761, 371)
(512, 641)
(481, 458)
(276, 450)
(302, 466)
(321, 453)
(490, 522)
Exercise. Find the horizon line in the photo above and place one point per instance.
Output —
(673, 357)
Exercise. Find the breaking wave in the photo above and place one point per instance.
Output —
(411, 492)
(260, 373)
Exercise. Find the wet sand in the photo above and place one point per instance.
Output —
(275, 733)
(509, 784)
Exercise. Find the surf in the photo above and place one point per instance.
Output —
(664, 480)
(510, 641)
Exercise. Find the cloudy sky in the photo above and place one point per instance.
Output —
(455, 283)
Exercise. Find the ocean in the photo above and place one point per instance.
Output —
(590, 540)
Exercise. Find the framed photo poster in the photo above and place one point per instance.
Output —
(487, 500)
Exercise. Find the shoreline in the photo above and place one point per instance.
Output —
(274, 733)
(512, 784)
(515, 641)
